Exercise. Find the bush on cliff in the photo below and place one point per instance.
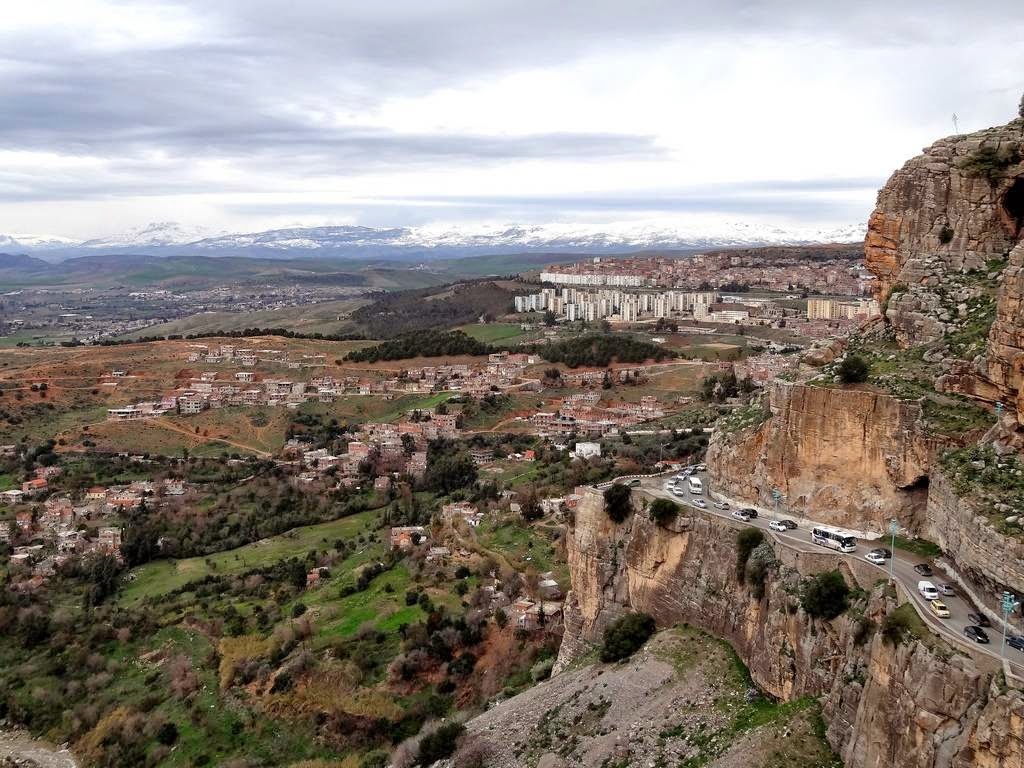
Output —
(440, 744)
(617, 502)
(853, 370)
(746, 542)
(663, 511)
(626, 635)
(825, 596)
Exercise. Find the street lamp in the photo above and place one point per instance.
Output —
(893, 527)
(1008, 603)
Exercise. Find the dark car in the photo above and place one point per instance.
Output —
(924, 569)
(882, 552)
(1016, 641)
(790, 524)
(977, 634)
(751, 512)
(980, 619)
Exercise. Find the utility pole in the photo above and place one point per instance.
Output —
(1008, 603)
(893, 527)
(956, 124)
(776, 497)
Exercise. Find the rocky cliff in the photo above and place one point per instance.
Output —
(848, 457)
(945, 214)
(946, 227)
(916, 703)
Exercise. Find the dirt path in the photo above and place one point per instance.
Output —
(20, 745)
(191, 433)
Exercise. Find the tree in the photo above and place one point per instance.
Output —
(747, 541)
(663, 511)
(530, 507)
(617, 502)
(826, 595)
(853, 369)
(626, 635)
(549, 318)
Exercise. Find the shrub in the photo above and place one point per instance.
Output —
(617, 502)
(440, 744)
(167, 734)
(990, 162)
(626, 635)
(853, 370)
(946, 235)
(746, 542)
(663, 511)
(825, 596)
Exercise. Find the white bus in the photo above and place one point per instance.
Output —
(695, 485)
(834, 538)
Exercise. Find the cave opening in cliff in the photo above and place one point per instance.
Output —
(1013, 204)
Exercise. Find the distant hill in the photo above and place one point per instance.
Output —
(425, 243)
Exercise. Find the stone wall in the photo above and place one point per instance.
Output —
(911, 705)
(854, 458)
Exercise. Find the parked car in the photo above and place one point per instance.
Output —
(700, 468)
(741, 515)
(877, 559)
(939, 609)
(947, 590)
(980, 619)
(923, 569)
(751, 512)
(633, 483)
(887, 553)
(790, 524)
(1016, 641)
(977, 634)
(723, 505)
(927, 590)
(777, 525)
(699, 503)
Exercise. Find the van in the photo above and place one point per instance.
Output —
(696, 487)
(927, 590)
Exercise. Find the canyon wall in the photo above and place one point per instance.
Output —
(914, 704)
(848, 457)
(1004, 361)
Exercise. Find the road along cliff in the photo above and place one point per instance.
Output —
(892, 693)
(853, 458)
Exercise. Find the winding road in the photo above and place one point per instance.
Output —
(903, 572)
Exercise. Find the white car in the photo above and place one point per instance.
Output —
(876, 558)
(699, 503)
(740, 515)
(723, 505)
(927, 590)
(677, 491)
(778, 525)
(700, 468)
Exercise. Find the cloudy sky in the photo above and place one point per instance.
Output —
(252, 114)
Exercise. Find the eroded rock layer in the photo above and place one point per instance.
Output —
(848, 457)
(915, 703)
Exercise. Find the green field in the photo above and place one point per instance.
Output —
(162, 576)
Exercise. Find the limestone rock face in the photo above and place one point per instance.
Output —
(939, 216)
(1005, 359)
(913, 705)
(981, 552)
(848, 457)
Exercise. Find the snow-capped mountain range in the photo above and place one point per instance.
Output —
(171, 238)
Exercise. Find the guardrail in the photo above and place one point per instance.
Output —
(609, 483)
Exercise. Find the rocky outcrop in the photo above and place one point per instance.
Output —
(1004, 363)
(854, 458)
(986, 556)
(917, 704)
(946, 212)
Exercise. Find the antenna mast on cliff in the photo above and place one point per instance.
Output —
(956, 124)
